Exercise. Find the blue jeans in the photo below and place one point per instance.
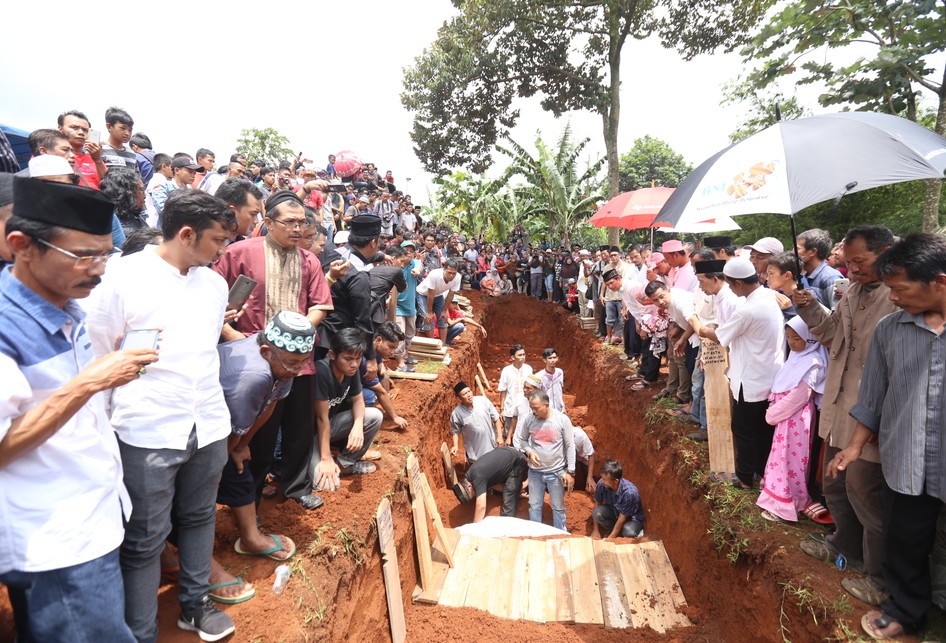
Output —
(453, 332)
(161, 482)
(539, 482)
(437, 308)
(698, 409)
(84, 602)
(614, 319)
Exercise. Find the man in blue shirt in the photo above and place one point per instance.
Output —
(814, 246)
(406, 315)
(618, 509)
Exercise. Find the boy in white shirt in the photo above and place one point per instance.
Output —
(511, 381)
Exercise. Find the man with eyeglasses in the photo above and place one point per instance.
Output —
(61, 491)
(288, 278)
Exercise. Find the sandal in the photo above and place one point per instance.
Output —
(677, 412)
(663, 393)
(721, 478)
(640, 385)
(634, 378)
(279, 543)
(879, 626)
(768, 515)
(817, 512)
(231, 600)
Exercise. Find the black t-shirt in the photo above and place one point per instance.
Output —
(494, 468)
(337, 393)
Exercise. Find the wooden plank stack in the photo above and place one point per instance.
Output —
(573, 580)
(589, 323)
(429, 349)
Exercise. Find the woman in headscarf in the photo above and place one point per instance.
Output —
(796, 395)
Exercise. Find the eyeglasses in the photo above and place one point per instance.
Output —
(82, 262)
(291, 224)
(288, 369)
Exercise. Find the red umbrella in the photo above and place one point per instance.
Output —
(347, 163)
(632, 210)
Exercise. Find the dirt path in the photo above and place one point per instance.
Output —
(337, 594)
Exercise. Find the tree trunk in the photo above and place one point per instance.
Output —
(611, 119)
(934, 187)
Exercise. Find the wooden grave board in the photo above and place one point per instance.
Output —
(585, 581)
(485, 380)
(667, 590)
(392, 576)
(718, 407)
(450, 471)
(614, 607)
(434, 514)
(568, 580)
(479, 385)
(560, 555)
(440, 566)
(424, 556)
(401, 375)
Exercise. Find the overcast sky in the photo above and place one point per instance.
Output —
(326, 75)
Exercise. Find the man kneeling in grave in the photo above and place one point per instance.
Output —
(341, 417)
(618, 509)
(504, 466)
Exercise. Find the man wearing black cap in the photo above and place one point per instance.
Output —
(504, 466)
(6, 211)
(722, 247)
(61, 491)
(173, 425)
(183, 171)
(288, 278)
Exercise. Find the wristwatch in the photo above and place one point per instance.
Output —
(571, 473)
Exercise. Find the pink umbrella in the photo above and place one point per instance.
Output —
(347, 163)
(632, 210)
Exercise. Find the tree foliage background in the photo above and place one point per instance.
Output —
(266, 144)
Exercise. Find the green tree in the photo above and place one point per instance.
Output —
(904, 41)
(765, 108)
(652, 162)
(565, 197)
(568, 53)
(267, 144)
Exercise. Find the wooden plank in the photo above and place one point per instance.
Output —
(426, 357)
(538, 586)
(718, 407)
(448, 464)
(585, 591)
(389, 569)
(500, 601)
(424, 560)
(668, 594)
(519, 596)
(482, 584)
(400, 375)
(638, 588)
(550, 609)
(413, 475)
(479, 385)
(560, 555)
(426, 341)
(614, 606)
(440, 568)
(434, 513)
(485, 379)
(458, 578)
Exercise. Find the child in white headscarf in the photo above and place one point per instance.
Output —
(796, 393)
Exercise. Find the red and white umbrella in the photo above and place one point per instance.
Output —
(631, 210)
(347, 163)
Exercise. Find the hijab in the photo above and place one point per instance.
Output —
(806, 366)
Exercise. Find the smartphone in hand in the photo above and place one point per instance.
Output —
(240, 292)
(146, 338)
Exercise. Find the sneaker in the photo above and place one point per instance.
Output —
(360, 468)
(204, 618)
(864, 590)
(311, 501)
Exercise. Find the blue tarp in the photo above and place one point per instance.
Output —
(18, 139)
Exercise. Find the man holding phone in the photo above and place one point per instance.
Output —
(288, 278)
(61, 491)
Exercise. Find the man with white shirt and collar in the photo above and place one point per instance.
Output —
(61, 491)
(434, 294)
(173, 423)
(755, 335)
(681, 270)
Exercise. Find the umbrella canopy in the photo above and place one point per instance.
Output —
(719, 224)
(794, 164)
(347, 163)
(631, 210)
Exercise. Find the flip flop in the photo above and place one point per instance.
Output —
(267, 553)
(633, 378)
(373, 454)
(231, 600)
(663, 393)
(677, 412)
(768, 515)
(640, 385)
(817, 512)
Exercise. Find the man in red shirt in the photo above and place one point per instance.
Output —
(88, 161)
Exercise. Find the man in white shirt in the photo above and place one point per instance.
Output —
(681, 309)
(173, 423)
(61, 492)
(755, 335)
(511, 382)
(434, 293)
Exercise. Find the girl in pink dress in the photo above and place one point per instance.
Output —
(796, 393)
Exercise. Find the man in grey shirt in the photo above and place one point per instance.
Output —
(901, 405)
(546, 437)
(476, 418)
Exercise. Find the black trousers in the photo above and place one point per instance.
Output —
(632, 341)
(650, 363)
(296, 415)
(513, 488)
(752, 436)
(909, 532)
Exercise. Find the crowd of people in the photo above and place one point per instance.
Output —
(266, 299)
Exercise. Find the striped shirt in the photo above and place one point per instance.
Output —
(902, 398)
